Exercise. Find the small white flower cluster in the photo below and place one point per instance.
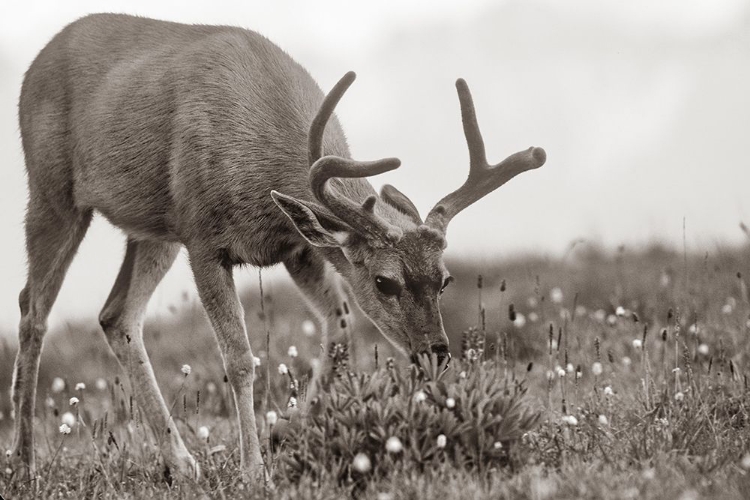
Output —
(570, 420)
(393, 445)
(203, 433)
(283, 370)
(292, 351)
(420, 396)
(186, 370)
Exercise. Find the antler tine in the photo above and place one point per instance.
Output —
(361, 218)
(483, 177)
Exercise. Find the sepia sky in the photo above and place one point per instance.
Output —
(642, 107)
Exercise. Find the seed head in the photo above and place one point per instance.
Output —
(74, 401)
(64, 429)
(420, 396)
(203, 433)
(603, 420)
(283, 370)
(68, 419)
(292, 352)
(596, 368)
(361, 463)
(256, 361)
(271, 417)
(186, 370)
(58, 385)
(308, 328)
(442, 441)
(450, 403)
(80, 386)
(637, 343)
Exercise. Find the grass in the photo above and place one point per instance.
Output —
(592, 376)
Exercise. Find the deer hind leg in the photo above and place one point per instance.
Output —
(219, 297)
(324, 290)
(52, 238)
(145, 264)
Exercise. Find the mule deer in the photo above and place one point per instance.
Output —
(198, 136)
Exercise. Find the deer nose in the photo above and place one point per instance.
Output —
(442, 352)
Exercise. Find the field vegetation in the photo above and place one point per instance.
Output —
(594, 375)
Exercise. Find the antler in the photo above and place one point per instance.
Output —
(361, 218)
(483, 177)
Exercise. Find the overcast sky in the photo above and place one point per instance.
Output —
(642, 107)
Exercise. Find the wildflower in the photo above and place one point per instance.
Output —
(556, 295)
(68, 419)
(308, 328)
(580, 311)
(203, 433)
(560, 372)
(533, 317)
(703, 349)
(626, 361)
(101, 384)
(693, 329)
(746, 461)
(608, 391)
(612, 320)
(620, 311)
(361, 463)
(211, 388)
(727, 309)
(520, 320)
(637, 343)
(679, 396)
(600, 315)
(603, 420)
(64, 429)
(292, 352)
(292, 402)
(442, 441)
(80, 386)
(550, 375)
(393, 445)
(420, 396)
(596, 368)
(256, 361)
(450, 403)
(49, 402)
(570, 368)
(283, 370)
(271, 417)
(498, 445)
(570, 420)
(462, 374)
(74, 401)
(58, 385)
(8, 453)
(648, 474)
(186, 370)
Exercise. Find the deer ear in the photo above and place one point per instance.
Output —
(317, 227)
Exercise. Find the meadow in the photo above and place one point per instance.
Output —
(594, 375)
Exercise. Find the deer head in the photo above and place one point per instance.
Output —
(391, 259)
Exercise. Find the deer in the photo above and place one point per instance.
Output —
(213, 139)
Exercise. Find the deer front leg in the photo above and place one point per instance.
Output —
(323, 289)
(219, 297)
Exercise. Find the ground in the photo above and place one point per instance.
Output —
(595, 375)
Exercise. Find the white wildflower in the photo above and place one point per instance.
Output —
(498, 445)
(292, 351)
(596, 368)
(581, 311)
(462, 374)
(727, 309)
(101, 384)
(68, 419)
(570, 368)
(603, 420)
(393, 445)
(648, 474)
(64, 429)
(550, 375)
(283, 370)
(256, 361)
(626, 361)
(608, 391)
(520, 320)
(308, 328)
(450, 403)
(703, 349)
(679, 396)
(637, 343)
(533, 317)
(746, 461)
(271, 417)
(211, 388)
(186, 370)
(49, 402)
(556, 295)
(570, 420)
(620, 311)
(612, 320)
(74, 401)
(203, 433)
(442, 441)
(693, 329)
(80, 386)
(361, 463)
(560, 372)
(58, 385)
(600, 315)
(420, 396)
(292, 402)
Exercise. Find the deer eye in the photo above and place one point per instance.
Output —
(447, 282)
(387, 286)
